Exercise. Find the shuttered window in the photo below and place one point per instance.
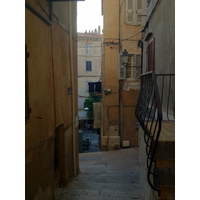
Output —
(134, 12)
(151, 56)
(27, 108)
(129, 68)
(137, 66)
(139, 11)
(129, 10)
(133, 68)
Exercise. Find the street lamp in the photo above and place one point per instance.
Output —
(124, 58)
(86, 109)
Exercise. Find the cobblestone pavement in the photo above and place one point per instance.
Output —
(108, 175)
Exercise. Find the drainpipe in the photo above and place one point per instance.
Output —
(120, 83)
(73, 87)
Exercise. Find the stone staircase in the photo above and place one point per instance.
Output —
(109, 175)
(165, 162)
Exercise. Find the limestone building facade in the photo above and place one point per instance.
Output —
(122, 30)
(89, 66)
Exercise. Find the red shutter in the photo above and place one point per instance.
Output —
(151, 56)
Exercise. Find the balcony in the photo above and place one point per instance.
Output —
(155, 112)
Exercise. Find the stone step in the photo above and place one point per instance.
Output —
(165, 150)
(95, 197)
(104, 186)
(167, 193)
(73, 194)
(166, 143)
(125, 177)
(165, 163)
(166, 172)
(112, 175)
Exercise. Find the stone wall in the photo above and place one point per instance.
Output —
(52, 66)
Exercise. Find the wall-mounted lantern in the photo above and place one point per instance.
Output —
(124, 57)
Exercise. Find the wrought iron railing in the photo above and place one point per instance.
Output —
(156, 99)
(166, 83)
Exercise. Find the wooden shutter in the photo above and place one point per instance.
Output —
(137, 66)
(129, 70)
(27, 108)
(134, 12)
(151, 55)
(137, 60)
(139, 12)
(130, 5)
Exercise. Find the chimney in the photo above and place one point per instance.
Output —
(99, 29)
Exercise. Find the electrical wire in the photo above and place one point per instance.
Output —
(114, 43)
(131, 36)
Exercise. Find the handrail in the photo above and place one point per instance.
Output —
(166, 84)
(149, 114)
(155, 104)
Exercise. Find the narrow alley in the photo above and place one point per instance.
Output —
(110, 175)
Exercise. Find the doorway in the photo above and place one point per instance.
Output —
(59, 167)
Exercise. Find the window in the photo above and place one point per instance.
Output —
(87, 86)
(133, 69)
(137, 66)
(88, 65)
(151, 56)
(134, 12)
(94, 87)
(87, 49)
(27, 108)
(129, 68)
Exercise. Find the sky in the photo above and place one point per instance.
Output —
(89, 15)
